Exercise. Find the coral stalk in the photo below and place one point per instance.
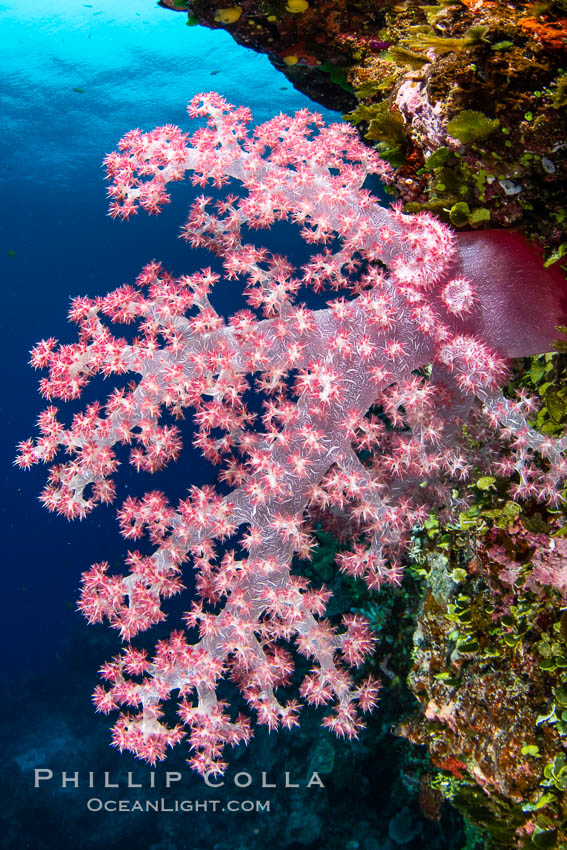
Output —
(355, 429)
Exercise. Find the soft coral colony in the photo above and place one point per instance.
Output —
(355, 423)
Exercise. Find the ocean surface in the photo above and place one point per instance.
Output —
(75, 78)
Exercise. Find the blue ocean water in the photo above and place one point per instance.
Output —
(75, 78)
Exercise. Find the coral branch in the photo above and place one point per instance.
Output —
(355, 428)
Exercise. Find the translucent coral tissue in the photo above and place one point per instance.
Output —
(353, 426)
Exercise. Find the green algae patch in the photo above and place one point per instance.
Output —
(470, 125)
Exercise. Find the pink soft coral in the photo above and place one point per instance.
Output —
(404, 293)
